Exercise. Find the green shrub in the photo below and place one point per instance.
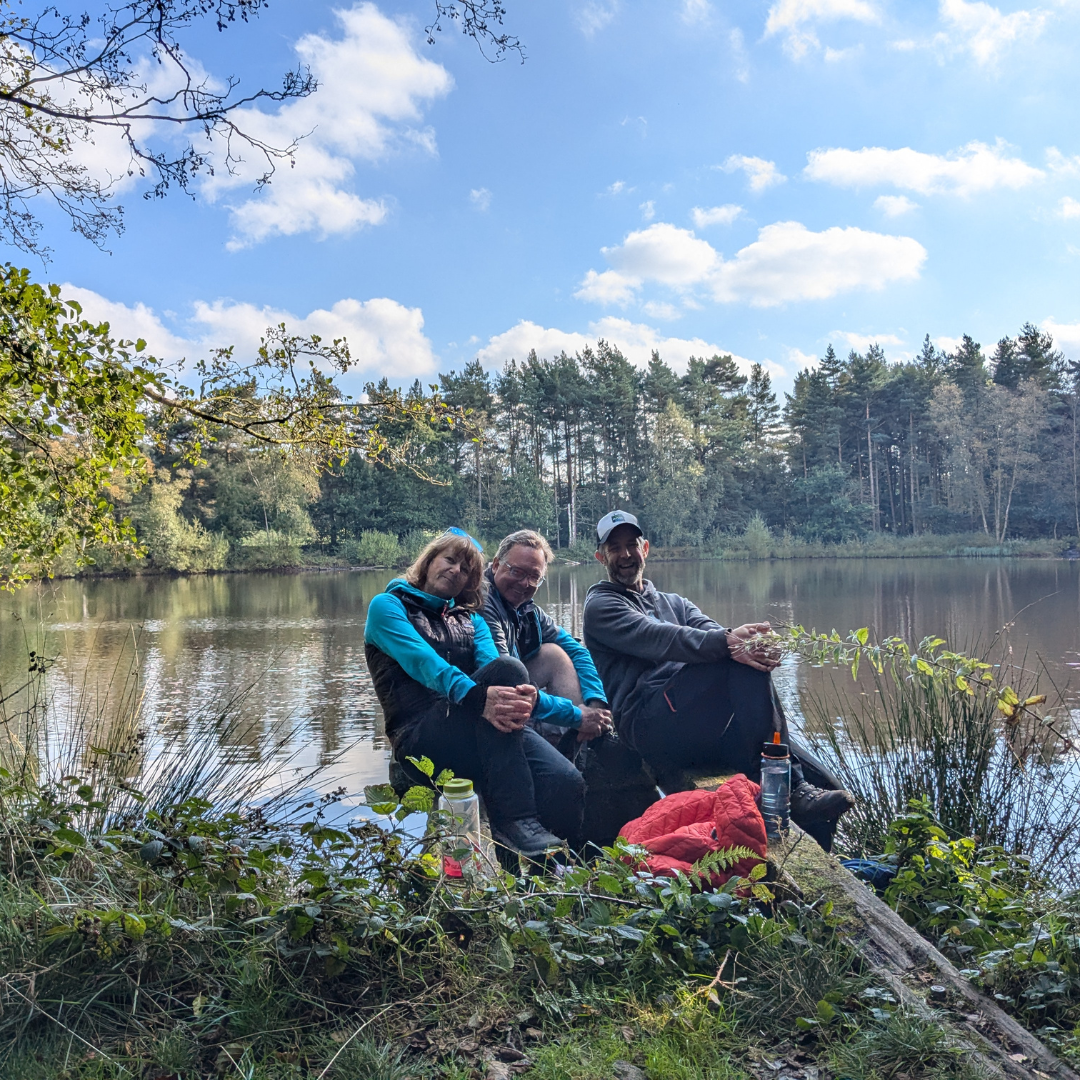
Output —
(268, 550)
(374, 548)
(172, 542)
(756, 537)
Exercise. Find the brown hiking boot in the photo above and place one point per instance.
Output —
(810, 804)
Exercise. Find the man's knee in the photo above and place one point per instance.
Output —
(552, 668)
(502, 671)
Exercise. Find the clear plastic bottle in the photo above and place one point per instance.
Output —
(463, 806)
(775, 786)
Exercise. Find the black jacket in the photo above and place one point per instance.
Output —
(521, 632)
(450, 632)
(642, 640)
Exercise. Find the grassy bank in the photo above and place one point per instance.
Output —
(153, 924)
(182, 943)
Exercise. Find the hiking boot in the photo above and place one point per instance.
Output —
(526, 836)
(811, 804)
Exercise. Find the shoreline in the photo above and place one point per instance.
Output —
(656, 555)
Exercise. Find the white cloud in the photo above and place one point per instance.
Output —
(974, 168)
(861, 342)
(789, 14)
(740, 58)
(695, 11)
(480, 198)
(663, 253)
(1069, 208)
(607, 287)
(385, 337)
(617, 187)
(760, 173)
(1062, 165)
(1065, 335)
(842, 56)
(985, 32)
(595, 15)
(703, 217)
(791, 18)
(788, 262)
(636, 340)
(372, 87)
(799, 359)
(656, 309)
(132, 322)
(648, 210)
(948, 344)
(894, 205)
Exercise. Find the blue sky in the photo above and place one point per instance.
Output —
(759, 178)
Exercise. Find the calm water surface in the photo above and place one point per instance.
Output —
(293, 643)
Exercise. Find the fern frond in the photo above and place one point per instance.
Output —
(722, 860)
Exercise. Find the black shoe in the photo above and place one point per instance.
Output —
(811, 804)
(526, 836)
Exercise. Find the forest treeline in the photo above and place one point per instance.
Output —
(942, 443)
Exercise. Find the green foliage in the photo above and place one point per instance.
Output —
(69, 398)
(170, 541)
(374, 548)
(903, 1045)
(77, 405)
(826, 510)
(931, 722)
(756, 537)
(1002, 924)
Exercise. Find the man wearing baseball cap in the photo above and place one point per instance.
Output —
(686, 692)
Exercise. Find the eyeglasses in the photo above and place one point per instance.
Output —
(531, 581)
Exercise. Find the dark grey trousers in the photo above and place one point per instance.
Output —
(518, 775)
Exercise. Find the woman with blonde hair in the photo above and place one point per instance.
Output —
(448, 695)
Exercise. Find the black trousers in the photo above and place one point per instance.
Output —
(710, 716)
(518, 775)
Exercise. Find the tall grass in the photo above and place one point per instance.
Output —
(976, 738)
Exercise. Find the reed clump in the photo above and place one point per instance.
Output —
(974, 736)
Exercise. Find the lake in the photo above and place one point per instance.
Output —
(291, 645)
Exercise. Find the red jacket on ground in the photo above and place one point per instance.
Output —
(683, 828)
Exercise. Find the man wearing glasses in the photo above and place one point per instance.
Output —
(571, 693)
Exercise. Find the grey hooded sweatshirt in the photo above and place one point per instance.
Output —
(640, 641)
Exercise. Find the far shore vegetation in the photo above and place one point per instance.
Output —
(188, 550)
(114, 462)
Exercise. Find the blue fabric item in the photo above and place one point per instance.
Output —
(455, 531)
(878, 874)
(388, 628)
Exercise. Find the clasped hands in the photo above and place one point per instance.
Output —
(752, 644)
(508, 708)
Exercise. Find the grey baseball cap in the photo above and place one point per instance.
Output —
(611, 521)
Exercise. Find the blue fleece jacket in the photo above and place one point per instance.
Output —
(388, 629)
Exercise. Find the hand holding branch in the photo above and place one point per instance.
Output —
(752, 644)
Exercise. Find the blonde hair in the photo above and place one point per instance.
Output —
(471, 596)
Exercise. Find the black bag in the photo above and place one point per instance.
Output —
(618, 788)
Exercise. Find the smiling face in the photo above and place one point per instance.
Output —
(623, 555)
(447, 575)
(518, 574)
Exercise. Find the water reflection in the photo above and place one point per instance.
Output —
(287, 650)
